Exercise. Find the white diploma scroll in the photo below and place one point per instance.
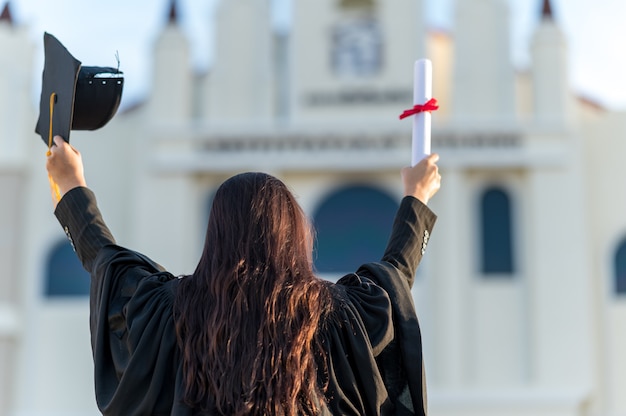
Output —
(422, 92)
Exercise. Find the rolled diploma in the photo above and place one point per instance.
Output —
(422, 92)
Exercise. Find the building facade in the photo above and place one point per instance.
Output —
(521, 295)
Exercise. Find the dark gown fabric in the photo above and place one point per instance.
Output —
(371, 340)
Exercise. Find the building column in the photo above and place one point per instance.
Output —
(560, 299)
(450, 286)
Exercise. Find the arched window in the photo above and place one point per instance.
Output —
(352, 226)
(65, 275)
(620, 269)
(496, 232)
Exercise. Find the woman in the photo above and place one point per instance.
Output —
(252, 331)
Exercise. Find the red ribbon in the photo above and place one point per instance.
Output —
(430, 105)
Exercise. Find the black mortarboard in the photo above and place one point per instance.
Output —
(87, 97)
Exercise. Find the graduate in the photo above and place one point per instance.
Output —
(252, 331)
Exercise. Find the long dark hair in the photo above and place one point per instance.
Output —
(246, 319)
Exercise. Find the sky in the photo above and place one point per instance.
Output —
(95, 30)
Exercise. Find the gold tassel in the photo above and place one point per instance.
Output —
(54, 188)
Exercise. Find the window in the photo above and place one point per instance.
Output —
(352, 226)
(65, 275)
(496, 233)
(620, 269)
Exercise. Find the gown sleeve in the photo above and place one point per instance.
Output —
(374, 341)
(401, 362)
(132, 331)
(359, 328)
(82, 222)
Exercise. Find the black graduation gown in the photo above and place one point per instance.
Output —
(372, 340)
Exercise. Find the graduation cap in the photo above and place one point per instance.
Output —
(76, 97)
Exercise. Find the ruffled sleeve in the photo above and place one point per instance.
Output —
(371, 305)
(133, 334)
(373, 338)
(358, 330)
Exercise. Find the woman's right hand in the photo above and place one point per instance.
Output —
(423, 180)
(65, 166)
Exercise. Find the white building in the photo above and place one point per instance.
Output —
(522, 293)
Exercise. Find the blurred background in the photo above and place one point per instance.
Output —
(522, 293)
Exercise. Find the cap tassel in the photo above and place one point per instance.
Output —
(54, 188)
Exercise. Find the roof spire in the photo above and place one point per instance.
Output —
(6, 16)
(546, 12)
(173, 15)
